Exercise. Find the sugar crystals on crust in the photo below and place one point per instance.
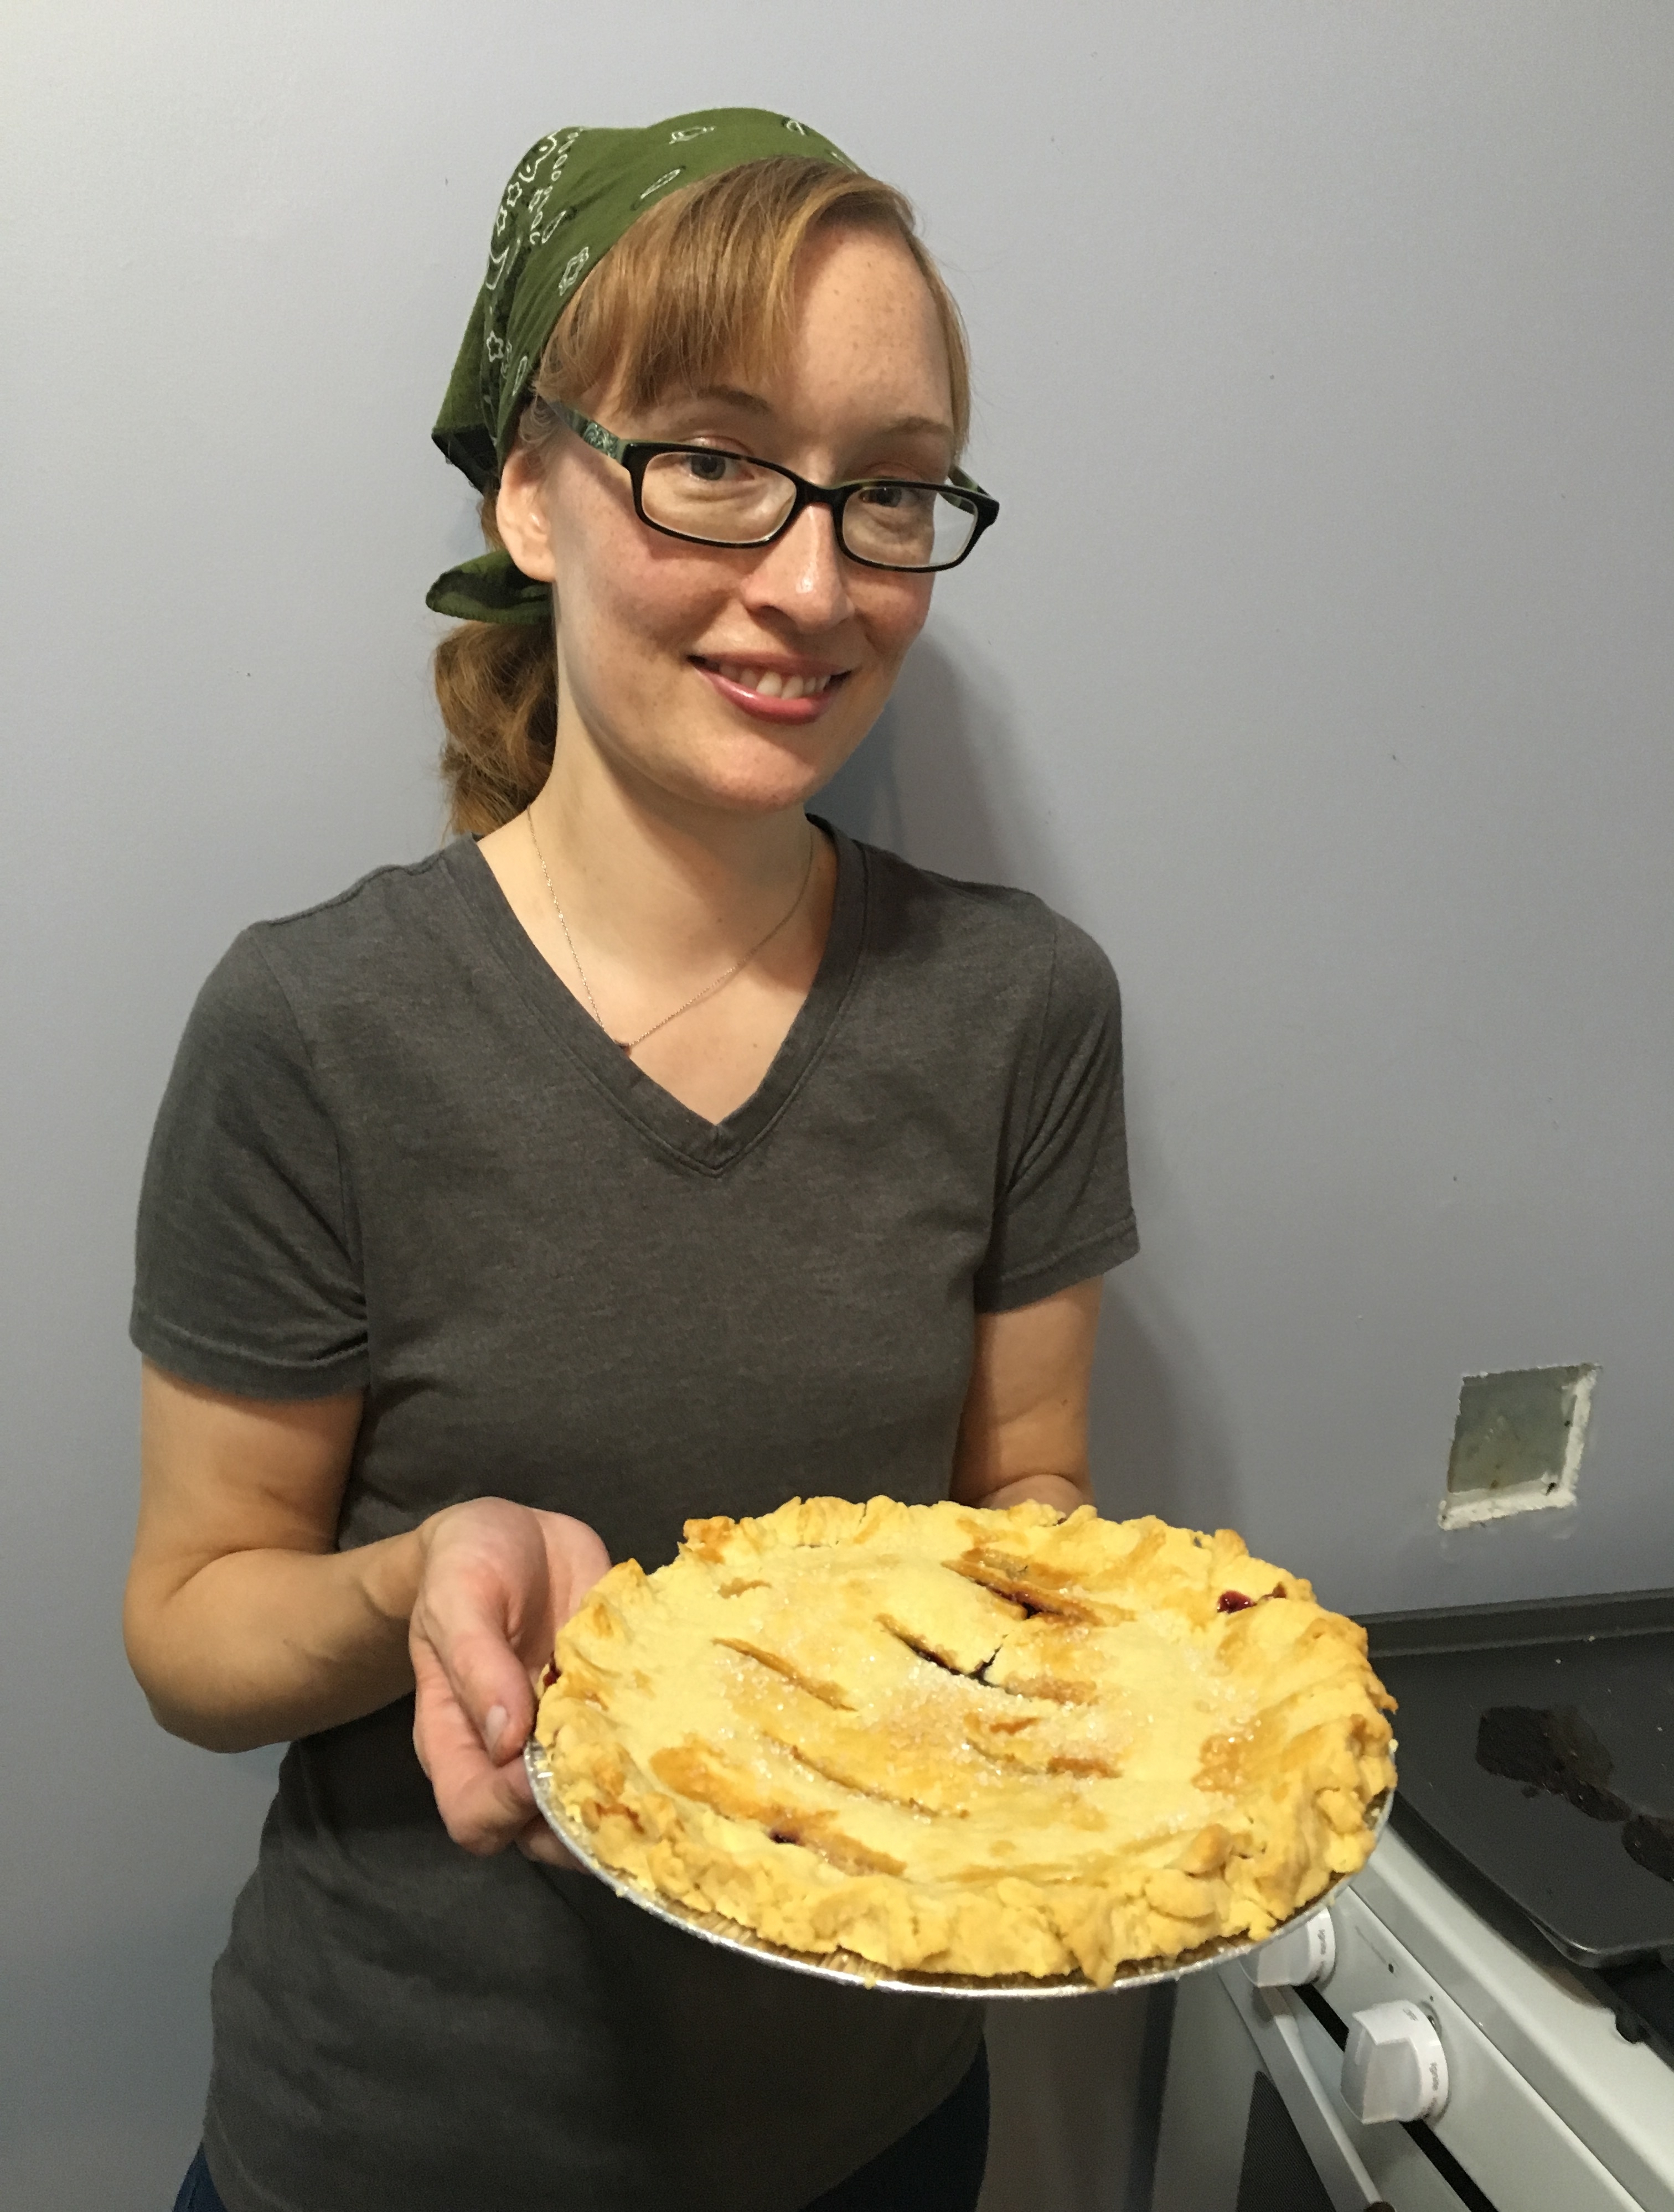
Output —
(969, 1741)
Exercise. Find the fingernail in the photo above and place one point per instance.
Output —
(493, 1728)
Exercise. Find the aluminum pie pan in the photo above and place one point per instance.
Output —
(847, 1967)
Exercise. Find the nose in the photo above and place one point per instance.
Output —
(804, 576)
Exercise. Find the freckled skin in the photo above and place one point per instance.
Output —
(634, 607)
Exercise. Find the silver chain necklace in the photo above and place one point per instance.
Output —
(632, 1044)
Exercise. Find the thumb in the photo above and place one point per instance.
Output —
(460, 1647)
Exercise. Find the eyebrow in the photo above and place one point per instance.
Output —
(915, 426)
(732, 395)
(752, 403)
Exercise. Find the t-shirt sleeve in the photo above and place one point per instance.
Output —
(1064, 1211)
(247, 1273)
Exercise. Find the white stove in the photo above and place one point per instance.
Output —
(1405, 2053)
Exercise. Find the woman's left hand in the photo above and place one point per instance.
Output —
(1024, 1430)
(498, 1581)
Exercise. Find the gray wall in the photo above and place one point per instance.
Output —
(1320, 665)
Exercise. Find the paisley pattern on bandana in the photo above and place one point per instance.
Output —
(567, 202)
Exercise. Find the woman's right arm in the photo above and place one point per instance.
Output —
(245, 1625)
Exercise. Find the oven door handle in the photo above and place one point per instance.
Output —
(1272, 2016)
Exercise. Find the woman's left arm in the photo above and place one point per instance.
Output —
(1023, 1433)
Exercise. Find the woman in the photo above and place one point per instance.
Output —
(651, 1151)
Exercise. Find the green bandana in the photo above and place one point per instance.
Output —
(569, 199)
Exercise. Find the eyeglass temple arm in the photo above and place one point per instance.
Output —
(593, 434)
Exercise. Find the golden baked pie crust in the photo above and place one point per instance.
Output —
(967, 1742)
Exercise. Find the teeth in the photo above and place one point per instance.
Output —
(768, 683)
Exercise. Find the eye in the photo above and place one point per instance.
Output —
(891, 506)
(895, 498)
(707, 467)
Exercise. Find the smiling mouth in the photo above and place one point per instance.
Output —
(770, 683)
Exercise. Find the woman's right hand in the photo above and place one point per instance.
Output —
(498, 1581)
(246, 1625)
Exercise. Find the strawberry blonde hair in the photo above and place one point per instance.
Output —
(703, 283)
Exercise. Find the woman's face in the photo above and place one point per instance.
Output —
(663, 646)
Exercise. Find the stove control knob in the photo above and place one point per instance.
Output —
(1394, 2067)
(1304, 1952)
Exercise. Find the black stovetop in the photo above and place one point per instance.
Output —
(1535, 1755)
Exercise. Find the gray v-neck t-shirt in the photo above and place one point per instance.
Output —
(396, 1156)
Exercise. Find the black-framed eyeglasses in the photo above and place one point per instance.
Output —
(711, 496)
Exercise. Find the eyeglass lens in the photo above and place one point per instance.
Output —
(727, 499)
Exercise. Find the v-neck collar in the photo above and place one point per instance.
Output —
(711, 1146)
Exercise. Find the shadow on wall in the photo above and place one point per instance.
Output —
(1073, 2080)
(1157, 1446)
(943, 779)
(121, 2133)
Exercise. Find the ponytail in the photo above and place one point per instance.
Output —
(498, 688)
